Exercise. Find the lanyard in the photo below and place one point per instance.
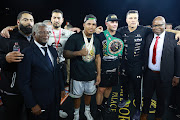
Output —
(57, 42)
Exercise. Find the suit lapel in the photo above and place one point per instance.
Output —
(51, 49)
(165, 45)
(149, 43)
(38, 52)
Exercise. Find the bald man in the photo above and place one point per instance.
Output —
(161, 67)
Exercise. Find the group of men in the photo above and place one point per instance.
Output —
(95, 60)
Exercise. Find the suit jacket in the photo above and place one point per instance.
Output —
(36, 81)
(170, 59)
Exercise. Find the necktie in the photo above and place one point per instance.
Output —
(154, 50)
(47, 58)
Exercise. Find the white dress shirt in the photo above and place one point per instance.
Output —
(43, 52)
(159, 49)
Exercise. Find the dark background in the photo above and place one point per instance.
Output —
(75, 10)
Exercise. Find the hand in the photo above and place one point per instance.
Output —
(99, 29)
(178, 38)
(175, 81)
(98, 79)
(14, 57)
(5, 32)
(36, 110)
(63, 94)
(75, 29)
(83, 52)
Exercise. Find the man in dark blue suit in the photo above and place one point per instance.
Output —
(39, 76)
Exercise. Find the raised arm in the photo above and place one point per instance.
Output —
(5, 31)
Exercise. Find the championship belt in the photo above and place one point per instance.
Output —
(114, 45)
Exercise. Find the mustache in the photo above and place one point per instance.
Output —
(28, 26)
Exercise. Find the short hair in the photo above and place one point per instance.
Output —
(46, 21)
(23, 12)
(36, 27)
(132, 11)
(90, 16)
(57, 11)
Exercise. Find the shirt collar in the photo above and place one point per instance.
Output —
(39, 45)
(161, 35)
(28, 37)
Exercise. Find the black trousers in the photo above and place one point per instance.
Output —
(152, 82)
(51, 113)
(14, 106)
(175, 97)
(132, 77)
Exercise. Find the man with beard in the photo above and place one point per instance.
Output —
(9, 58)
(57, 39)
(111, 51)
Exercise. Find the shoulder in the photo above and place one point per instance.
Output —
(122, 28)
(67, 32)
(150, 36)
(170, 34)
(76, 36)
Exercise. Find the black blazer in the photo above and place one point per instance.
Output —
(36, 81)
(170, 59)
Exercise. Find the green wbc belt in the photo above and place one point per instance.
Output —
(114, 45)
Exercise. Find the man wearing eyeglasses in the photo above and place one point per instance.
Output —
(133, 59)
(162, 69)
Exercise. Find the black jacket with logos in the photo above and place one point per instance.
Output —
(8, 70)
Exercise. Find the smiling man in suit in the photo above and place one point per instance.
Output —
(39, 76)
(161, 67)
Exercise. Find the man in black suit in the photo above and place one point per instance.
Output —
(39, 76)
(161, 67)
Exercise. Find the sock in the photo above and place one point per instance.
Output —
(87, 107)
(105, 101)
(76, 111)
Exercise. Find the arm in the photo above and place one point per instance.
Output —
(5, 31)
(71, 54)
(99, 29)
(177, 32)
(98, 67)
(6, 56)
(75, 29)
(175, 80)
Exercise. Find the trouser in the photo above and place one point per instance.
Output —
(132, 76)
(51, 113)
(64, 71)
(14, 106)
(152, 82)
(175, 97)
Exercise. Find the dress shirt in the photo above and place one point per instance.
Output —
(43, 52)
(159, 49)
